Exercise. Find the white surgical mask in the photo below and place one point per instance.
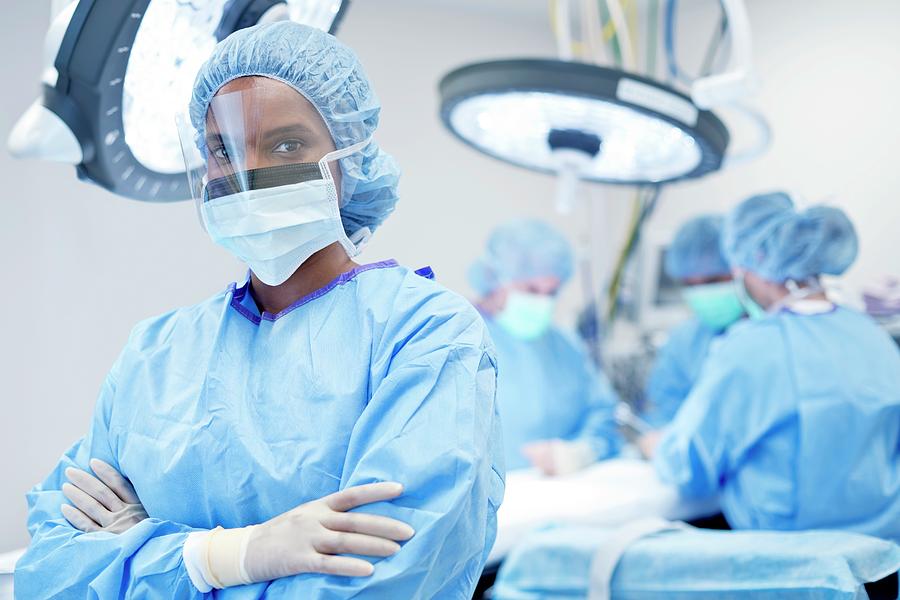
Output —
(275, 230)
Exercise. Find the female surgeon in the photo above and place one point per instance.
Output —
(694, 260)
(252, 423)
(795, 419)
(557, 409)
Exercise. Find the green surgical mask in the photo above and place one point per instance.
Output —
(716, 304)
(754, 310)
(527, 316)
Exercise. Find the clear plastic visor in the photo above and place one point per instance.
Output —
(263, 136)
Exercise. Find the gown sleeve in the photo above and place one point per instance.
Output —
(672, 377)
(699, 447)
(64, 562)
(600, 429)
(432, 425)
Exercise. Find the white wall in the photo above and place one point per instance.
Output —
(83, 266)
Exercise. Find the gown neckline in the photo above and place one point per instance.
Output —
(243, 303)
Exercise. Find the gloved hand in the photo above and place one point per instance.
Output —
(106, 502)
(306, 540)
(649, 442)
(559, 457)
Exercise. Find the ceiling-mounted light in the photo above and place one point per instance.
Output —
(117, 73)
(600, 124)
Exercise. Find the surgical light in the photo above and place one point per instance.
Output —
(118, 71)
(581, 121)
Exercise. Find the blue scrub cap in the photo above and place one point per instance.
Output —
(330, 76)
(765, 234)
(518, 250)
(696, 250)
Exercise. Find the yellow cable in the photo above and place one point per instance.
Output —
(551, 6)
(609, 30)
(622, 260)
(631, 17)
(626, 46)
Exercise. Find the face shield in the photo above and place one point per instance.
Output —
(266, 178)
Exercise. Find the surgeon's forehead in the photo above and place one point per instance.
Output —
(259, 105)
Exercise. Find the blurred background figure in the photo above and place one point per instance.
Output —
(695, 261)
(556, 408)
(795, 419)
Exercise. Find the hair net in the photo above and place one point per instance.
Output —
(765, 234)
(519, 250)
(329, 75)
(696, 250)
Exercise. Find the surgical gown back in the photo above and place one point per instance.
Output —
(549, 388)
(222, 416)
(796, 421)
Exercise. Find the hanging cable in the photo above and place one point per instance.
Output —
(592, 27)
(608, 32)
(622, 260)
(669, 41)
(560, 21)
(763, 137)
(617, 16)
(644, 204)
(652, 33)
(714, 46)
(631, 18)
(712, 49)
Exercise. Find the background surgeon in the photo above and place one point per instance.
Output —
(795, 420)
(556, 408)
(251, 424)
(694, 259)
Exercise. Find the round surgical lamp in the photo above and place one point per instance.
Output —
(118, 71)
(582, 122)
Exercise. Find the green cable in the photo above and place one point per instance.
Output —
(614, 42)
(652, 33)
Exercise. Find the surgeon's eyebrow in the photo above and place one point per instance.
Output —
(215, 139)
(294, 129)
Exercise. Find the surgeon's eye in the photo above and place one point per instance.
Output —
(219, 153)
(288, 147)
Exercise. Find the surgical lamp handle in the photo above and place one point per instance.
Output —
(738, 80)
(727, 89)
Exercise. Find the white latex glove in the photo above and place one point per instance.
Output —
(559, 457)
(106, 502)
(306, 540)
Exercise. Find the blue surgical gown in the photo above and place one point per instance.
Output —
(795, 420)
(548, 388)
(676, 369)
(221, 416)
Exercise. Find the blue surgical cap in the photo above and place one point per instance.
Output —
(696, 250)
(519, 250)
(765, 234)
(329, 75)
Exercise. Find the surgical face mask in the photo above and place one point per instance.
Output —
(527, 316)
(275, 226)
(754, 310)
(716, 304)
